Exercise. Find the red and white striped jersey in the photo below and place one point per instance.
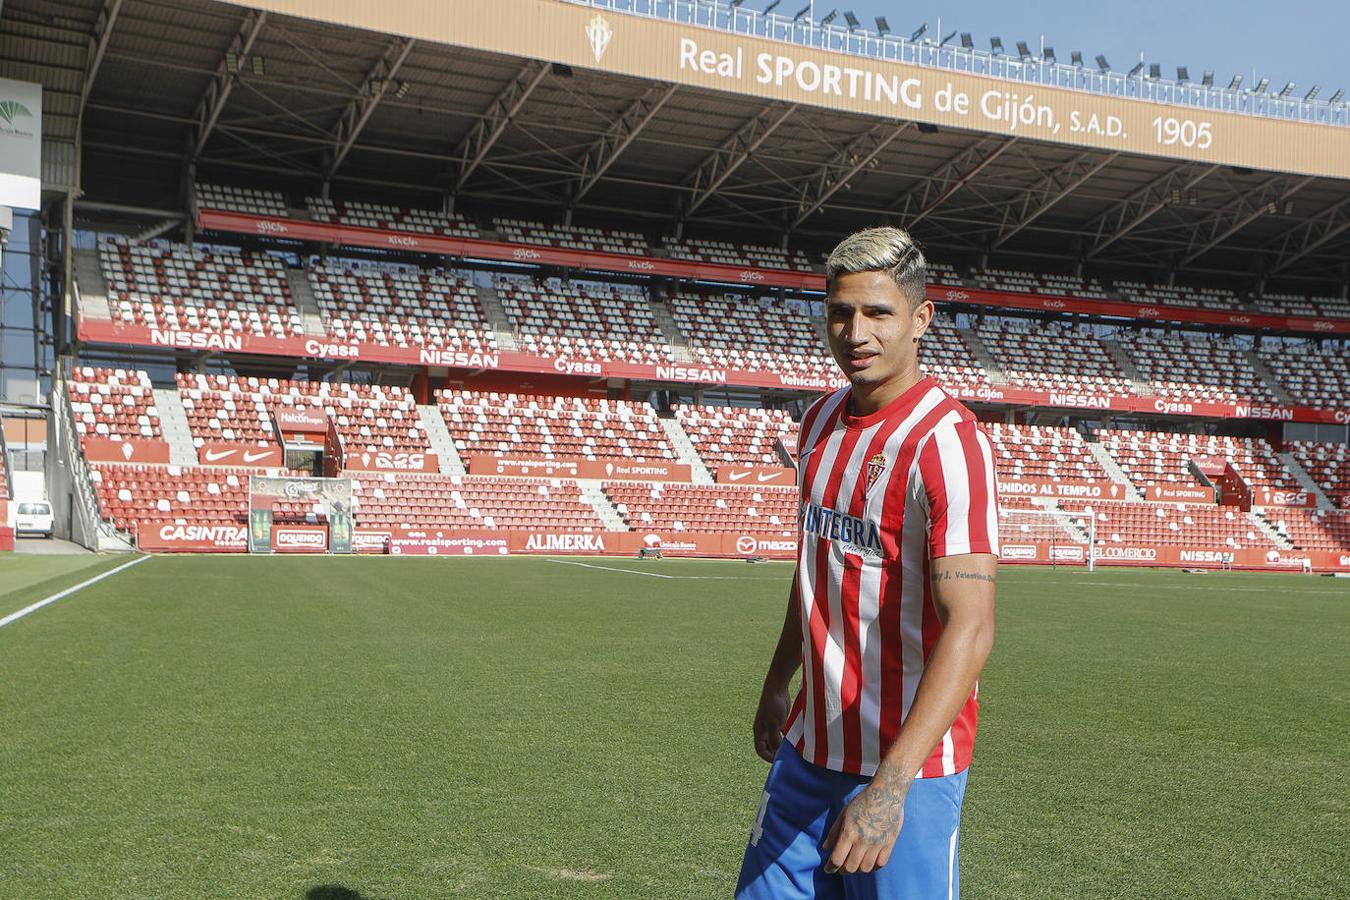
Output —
(882, 496)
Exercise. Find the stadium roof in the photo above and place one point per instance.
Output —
(244, 96)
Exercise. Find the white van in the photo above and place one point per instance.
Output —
(33, 517)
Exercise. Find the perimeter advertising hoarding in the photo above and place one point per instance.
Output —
(682, 54)
(20, 144)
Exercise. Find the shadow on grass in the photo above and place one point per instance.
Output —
(334, 892)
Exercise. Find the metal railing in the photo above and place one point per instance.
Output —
(721, 16)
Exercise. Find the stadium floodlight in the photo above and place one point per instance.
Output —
(1208, 78)
(401, 91)
(1154, 71)
(1138, 67)
(1287, 89)
(797, 17)
(258, 64)
(1235, 83)
(1183, 74)
(852, 21)
(1023, 51)
(919, 32)
(829, 17)
(967, 40)
(1312, 93)
(1049, 54)
(883, 27)
(1102, 64)
(772, 6)
(996, 44)
(943, 42)
(1336, 97)
(1076, 57)
(1262, 85)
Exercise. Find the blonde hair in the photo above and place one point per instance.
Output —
(889, 250)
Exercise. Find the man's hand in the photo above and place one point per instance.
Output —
(774, 705)
(864, 834)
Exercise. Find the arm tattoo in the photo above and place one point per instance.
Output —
(961, 575)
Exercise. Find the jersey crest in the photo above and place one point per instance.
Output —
(875, 466)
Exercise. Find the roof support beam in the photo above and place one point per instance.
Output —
(98, 46)
(1058, 183)
(218, 91)
(490, 126)
(1242, 212)
(950, 177)
(833, 176)
(619, 136)
(1129, 213)
(378, 82)
(713, 172)
(1306, 237)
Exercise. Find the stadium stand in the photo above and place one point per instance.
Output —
(584, 320)
(733, 332)
(1327, 464)
(168, 286)
(549, 427)
(1172, 525)
(1043, 452)
(133, 495)
(1163, 457)
(1318, 376)
(1036, 283)
(725, 434)
(390, 217)
(241, 199)
(572, 237)
(944, 355)
(713, 509)
(1312, 529)
(402, 306)
(729, 254)
(117, 404)
(1052, 357)
(1177, 295)
(434, 501)
(1211, 370)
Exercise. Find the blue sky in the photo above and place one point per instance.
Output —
(1290, 40)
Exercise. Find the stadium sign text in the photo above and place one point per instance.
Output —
(434, 356)
(196, 340)
(572, 367)
(1282, 413)
(566, 543)
(1084, 401)
(330, 351)
(692, 373)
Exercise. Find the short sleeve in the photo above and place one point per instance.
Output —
(956, 466)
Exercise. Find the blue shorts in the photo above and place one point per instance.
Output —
(784, 859)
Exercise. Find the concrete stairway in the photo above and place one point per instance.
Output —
(1268, 528)
(1113, 469)
(92, 288)
(1138, 382)
(592, 493)
(1305, 480)
(684, 450)
(1273, 383)
(679, 346)
(438, 435)
(173, 422)
(982, 355)
(302, 295)
(496, 316)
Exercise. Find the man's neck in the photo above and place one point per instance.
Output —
(864, 402)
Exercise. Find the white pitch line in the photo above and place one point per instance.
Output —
(14, 616)
(621, 571)
(1211, 587)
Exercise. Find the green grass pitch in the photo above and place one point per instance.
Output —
(491, 728)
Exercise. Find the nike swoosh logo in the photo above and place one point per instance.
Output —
(213, 455)
(768, 476)
(254, 457)
(737, 476)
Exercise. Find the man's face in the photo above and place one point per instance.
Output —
(872, 328)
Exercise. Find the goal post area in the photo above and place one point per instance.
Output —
(1048, 536)
(294, 514)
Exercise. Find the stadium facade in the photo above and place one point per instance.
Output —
(541, 276)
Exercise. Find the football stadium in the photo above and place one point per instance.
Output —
(311, 305)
